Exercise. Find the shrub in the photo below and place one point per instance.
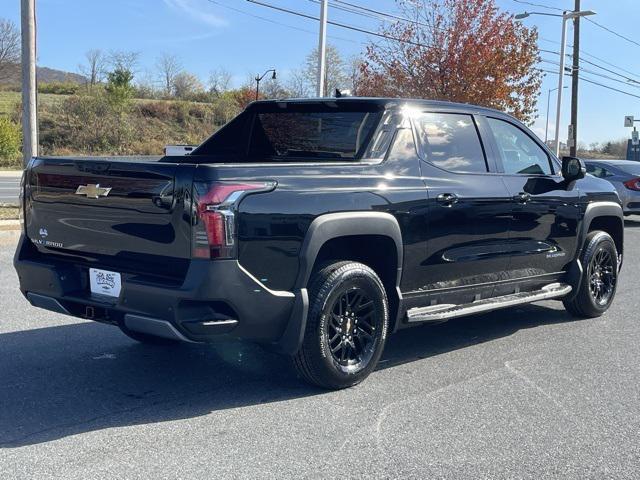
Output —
(160, 110)
(59, 88)
(10, 142)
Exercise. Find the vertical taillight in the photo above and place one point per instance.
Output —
(633, 184)
(214, 222)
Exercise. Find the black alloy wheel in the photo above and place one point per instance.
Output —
(346, 326)
(351, 329)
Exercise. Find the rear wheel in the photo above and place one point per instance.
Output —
(346, 327)
(147, 339)
(599, 278)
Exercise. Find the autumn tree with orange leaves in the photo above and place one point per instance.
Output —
(458, 50)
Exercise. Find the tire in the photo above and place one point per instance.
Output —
(147, 339)
(346, 327)
(598, 286)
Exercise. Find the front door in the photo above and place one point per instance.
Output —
(545, 210)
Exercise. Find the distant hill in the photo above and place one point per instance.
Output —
(48, 75)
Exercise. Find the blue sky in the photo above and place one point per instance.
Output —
(207, 34)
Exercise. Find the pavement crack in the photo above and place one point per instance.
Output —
(531, 383)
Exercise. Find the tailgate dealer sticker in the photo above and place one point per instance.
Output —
(104, 282)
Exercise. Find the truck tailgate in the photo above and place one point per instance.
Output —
(124, 215)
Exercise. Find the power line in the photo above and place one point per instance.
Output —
(612, 32)
(568, 68)
(348, 10)
(388, 37)
(382, 14)
(593, 56)
(533, 4)
(594, 83)
(341, 25)
(275, 22)
(632, 80)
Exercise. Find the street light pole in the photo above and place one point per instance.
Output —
(573, 141)
(322, 47)
(259, 78)
(29, 87)
(546, 125)
(563, 45)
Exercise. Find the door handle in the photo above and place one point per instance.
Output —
(447, 199)
(522, 197)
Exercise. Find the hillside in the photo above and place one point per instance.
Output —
(47, 75)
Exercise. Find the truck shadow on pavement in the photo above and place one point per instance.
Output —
(66, 380)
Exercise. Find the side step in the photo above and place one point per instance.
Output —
(437, 313)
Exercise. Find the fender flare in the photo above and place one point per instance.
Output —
(344, 224)
(324, 228)
(599, 209)
(593, 210)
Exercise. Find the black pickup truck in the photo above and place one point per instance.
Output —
(317, 227)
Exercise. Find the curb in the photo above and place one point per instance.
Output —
(9, 225)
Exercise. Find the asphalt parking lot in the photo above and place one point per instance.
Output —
(521, 393)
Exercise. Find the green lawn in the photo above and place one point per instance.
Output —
(9, 100)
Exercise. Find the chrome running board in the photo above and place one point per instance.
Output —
(437, 313)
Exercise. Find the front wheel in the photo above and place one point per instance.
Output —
(346, 328)
(599, 278)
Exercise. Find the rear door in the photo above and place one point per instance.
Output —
(117, 214)
(545, 210)
(469, 210)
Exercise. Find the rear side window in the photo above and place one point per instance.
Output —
(598, 171)
(320, 135)
(450, 141)
(520, 154)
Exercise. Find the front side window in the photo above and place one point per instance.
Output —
(520, 154)
(450, 141)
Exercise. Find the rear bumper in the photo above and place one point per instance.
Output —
(216, 299)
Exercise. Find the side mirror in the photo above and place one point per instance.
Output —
(573, 169)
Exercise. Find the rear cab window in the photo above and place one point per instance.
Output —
(291, 132)
(451, 141)
(598, 170)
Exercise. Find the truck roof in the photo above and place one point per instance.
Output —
(382, 103)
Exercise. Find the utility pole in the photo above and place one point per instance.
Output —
(29, 87)
(573, 151)
(322, 47)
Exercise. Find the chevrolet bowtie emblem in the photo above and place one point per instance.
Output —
(93, 191)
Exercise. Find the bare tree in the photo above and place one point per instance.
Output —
(186, 84)
(298, 84)
(219, 81)
(169, 67)
(9, 49)
(273, 89)
(124, 60)
(94, 68)
(337, 70)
